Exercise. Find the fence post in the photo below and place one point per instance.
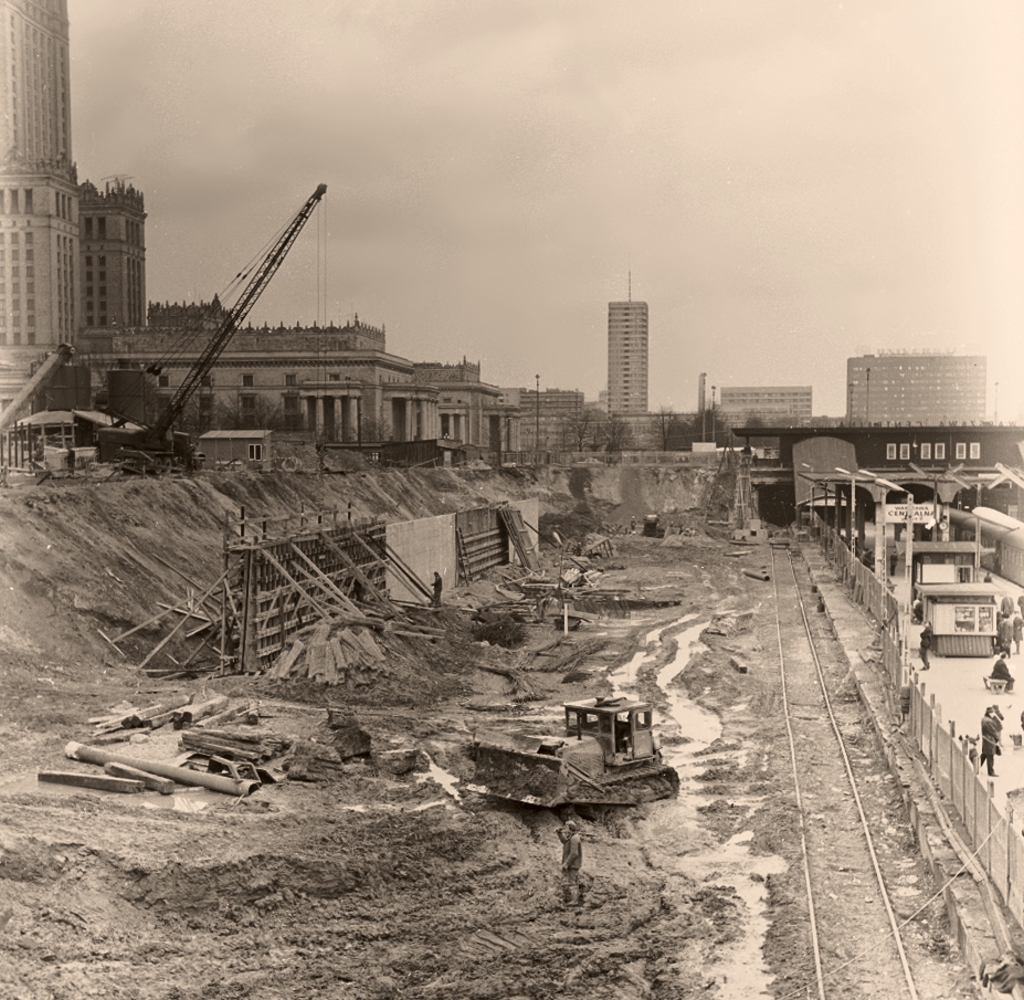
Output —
(933, 724)
(952, 751)
(988, 825)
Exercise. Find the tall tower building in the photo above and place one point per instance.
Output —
(113, 252)
(627, 357)
(702, 392)
(38, 188)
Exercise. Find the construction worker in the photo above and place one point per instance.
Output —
(926, 645)
(438, 584)
(572, 862)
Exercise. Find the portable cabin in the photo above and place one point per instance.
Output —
(962, 615)
(247, 449)
(943, 562)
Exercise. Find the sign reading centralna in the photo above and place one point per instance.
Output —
(923, 512)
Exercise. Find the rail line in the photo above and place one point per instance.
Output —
(840, 866)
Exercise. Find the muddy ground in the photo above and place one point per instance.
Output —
(368, 883)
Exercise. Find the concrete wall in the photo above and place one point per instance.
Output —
(428, 544)
(424, 545)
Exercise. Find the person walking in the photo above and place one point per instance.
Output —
(572, 862)
(927, 637)
(1018, 632)
(1020, 604)
(1004, 634)
(990, 732)
(435, 601)
(1006, 606)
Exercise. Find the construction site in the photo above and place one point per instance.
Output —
(250, 749)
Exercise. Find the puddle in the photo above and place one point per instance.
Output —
(673, 823)
(445, 779)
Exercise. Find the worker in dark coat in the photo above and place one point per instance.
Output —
(1001, 672)
(438, 584)
(572, 862)
(990, 733)
(927, 636)
(1006, 606)
(1004, 634)
(1018, 632)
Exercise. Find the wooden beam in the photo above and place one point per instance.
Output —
(174, 631)
(358, 573)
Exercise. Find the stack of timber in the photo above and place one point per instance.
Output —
(346, 651)
(120, 724)
(234, 744)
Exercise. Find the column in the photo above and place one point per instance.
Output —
(878, 494)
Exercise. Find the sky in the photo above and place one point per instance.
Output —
(789, 184)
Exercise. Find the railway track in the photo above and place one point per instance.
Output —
(868, 892)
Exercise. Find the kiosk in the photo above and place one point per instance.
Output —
(963, 616)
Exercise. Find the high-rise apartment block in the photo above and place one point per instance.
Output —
(906, 387)
(627, 357)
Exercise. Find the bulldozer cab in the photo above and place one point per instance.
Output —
(622, 728)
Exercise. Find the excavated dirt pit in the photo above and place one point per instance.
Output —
(369, 884)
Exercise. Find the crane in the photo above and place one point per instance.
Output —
(158, 446)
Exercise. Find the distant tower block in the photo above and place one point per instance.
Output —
(627, 357)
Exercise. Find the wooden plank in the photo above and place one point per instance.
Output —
(101, 781)
(160, 645)
(165, 786)
(354, 569)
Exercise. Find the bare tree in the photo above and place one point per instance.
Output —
(668, 428)
(577, 431)
(616, 434)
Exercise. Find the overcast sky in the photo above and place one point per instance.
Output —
(791, 182)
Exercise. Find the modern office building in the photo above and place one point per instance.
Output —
(778, 405)
(908, 387)
(627, 357)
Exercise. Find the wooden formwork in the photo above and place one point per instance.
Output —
(284, 574)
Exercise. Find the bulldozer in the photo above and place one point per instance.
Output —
(607, 756)
(653, 528)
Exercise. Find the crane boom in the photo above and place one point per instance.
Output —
(42, 375)
(259, 281)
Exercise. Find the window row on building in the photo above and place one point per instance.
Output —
(962, 451)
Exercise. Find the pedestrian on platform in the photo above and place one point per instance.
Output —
(572, 862)
(1006, 606)
(1001, 672)
(1020, 604)
(927, 636)
(990, 733)
(1018, 632)
(1004, 634)
(894, 558)
(438, 584)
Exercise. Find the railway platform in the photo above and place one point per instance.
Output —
(981, 927)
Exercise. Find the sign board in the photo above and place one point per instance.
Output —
(923, 512)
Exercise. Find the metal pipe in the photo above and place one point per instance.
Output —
(182, 775)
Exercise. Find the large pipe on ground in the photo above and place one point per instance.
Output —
(182, 775)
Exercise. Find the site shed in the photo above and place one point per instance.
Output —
(247, 449)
